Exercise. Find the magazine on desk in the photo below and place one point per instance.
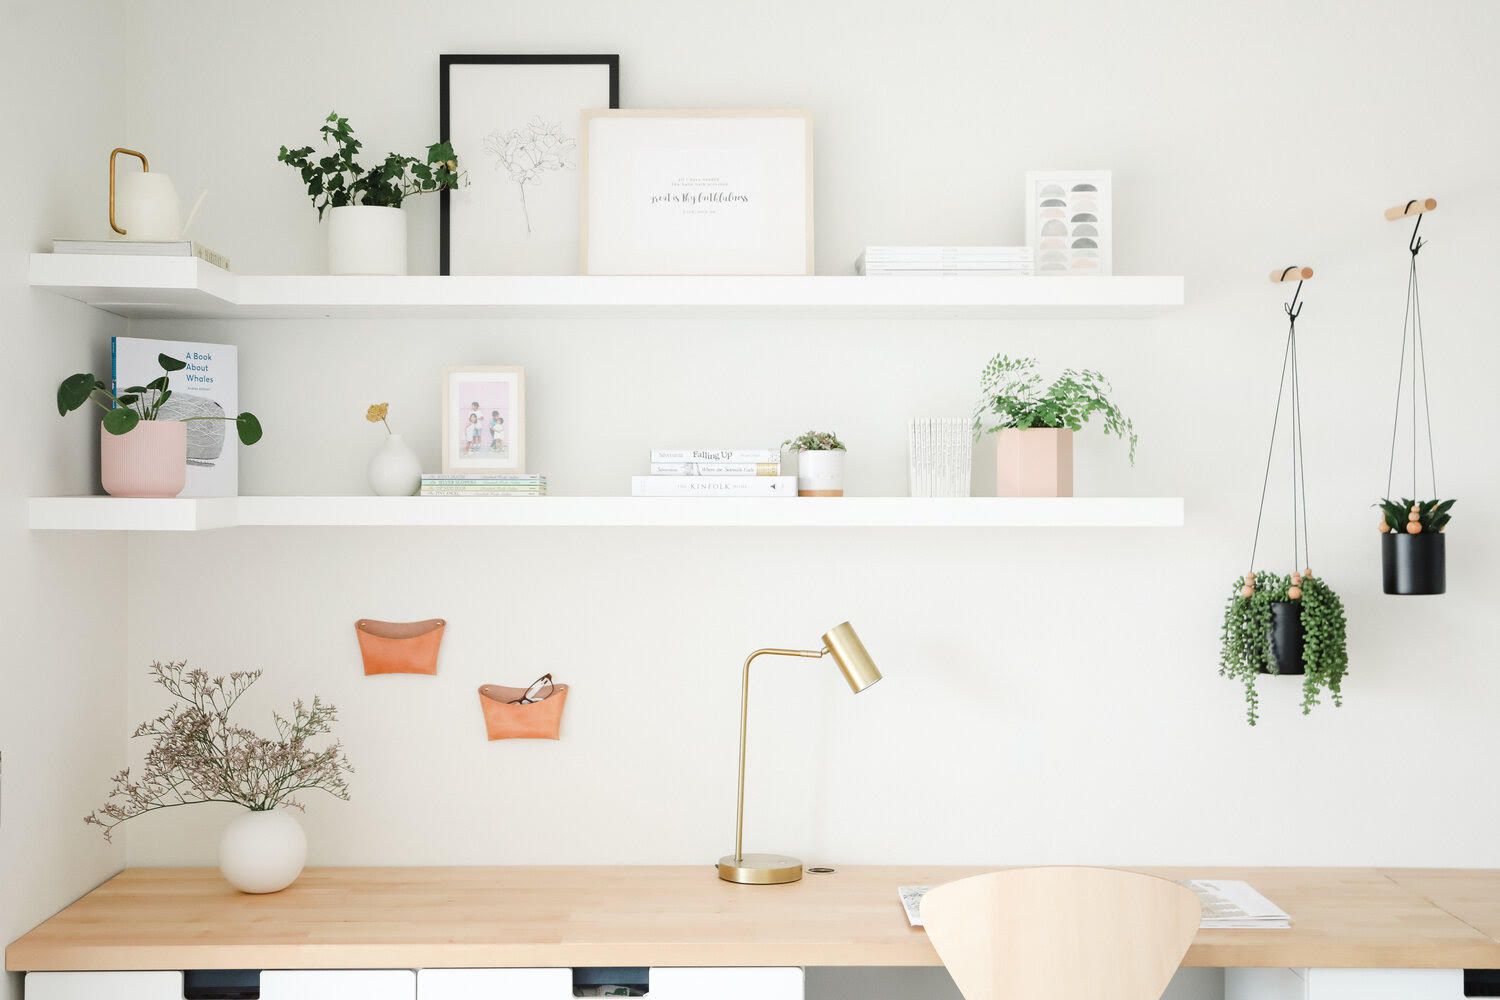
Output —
(1227, 904)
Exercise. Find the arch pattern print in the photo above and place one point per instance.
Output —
(1068, 221)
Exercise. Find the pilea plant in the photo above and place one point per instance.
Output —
(1012, 395)
(139, 402)
(1245, 649)
(338, 180)
(1415, 517)
(814, 441)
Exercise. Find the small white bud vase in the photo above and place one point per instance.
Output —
(820, 473)
(366, 239)
(395, 470)
(262, 851)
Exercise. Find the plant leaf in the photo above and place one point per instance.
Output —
(170, 364)
(249, 428)
(121, 420)
(74, 392)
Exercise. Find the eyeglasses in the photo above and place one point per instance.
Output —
(540, 690)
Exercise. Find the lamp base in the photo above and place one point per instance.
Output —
(760, 869)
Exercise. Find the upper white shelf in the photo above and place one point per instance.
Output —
(95, 513)
(188, 288)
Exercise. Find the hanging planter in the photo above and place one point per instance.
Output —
(1413, 552)
(1285, 625)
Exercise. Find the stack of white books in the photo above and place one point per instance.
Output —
(945, 262)
(715, 472)
(143, 248)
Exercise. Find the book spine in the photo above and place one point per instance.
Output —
(716, 468)
(700, 455)
(211, 256)
(438, 491)
(713, 486)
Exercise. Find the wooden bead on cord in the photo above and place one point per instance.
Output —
(1294, 593)
(1407, 209)
(1414, 527)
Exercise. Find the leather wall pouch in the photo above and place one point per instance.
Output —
(399, 647)
(507, 718)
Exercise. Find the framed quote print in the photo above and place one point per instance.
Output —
(513, 121)
(484, 419)
(697, 192)
(1068, 221)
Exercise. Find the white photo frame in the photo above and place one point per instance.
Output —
(697, 192)
(1069, 222)
(484, 419)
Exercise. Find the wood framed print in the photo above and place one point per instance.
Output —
(1068, 221)
(697, 192)
(514, 120)
(484, 419)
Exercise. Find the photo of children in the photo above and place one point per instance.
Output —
(482, 420)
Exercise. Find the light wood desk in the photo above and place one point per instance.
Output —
(416, 918)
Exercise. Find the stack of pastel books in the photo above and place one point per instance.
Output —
(483, 484)
(715, 472)
(945, 262)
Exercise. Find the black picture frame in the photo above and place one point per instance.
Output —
(446, 61)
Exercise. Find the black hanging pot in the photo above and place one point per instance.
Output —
(1414, 564)
(1286, 637)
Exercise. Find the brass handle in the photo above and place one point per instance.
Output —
(145, 168)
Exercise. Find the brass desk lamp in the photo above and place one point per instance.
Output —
(860, 671)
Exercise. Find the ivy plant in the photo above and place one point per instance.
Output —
(124, 411)
(338, 180)
(814, 441)
(1012, 395)
(1432, 515)
(1245, 646)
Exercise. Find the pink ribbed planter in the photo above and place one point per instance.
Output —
(1037, 462)
(149, 461)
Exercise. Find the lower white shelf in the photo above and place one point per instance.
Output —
(97, 513)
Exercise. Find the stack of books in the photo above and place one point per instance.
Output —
(945, 262)
(715, 472)
(143, 248)
(483, 484)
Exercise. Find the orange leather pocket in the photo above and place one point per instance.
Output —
(506, 720)
(399, 647)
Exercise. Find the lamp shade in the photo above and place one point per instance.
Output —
(851, 656)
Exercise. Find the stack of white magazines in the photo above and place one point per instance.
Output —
(1227, 904)
(945, 262)
(715, 472)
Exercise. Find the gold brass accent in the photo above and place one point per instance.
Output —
(145, 169)
(854, 661)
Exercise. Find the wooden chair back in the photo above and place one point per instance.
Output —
(1061, 933)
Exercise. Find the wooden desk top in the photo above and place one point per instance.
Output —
(189, 918)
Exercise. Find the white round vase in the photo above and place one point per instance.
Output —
(395, 470)
(262, 851)
(820, 473)
(366, 239)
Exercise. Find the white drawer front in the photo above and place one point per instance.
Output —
(726, 984)
(495, 984)
(337, 984)
(103, 986)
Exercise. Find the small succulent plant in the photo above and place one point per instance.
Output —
(1415, 517)
(814, 441)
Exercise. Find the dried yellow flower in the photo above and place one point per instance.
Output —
(377, 412)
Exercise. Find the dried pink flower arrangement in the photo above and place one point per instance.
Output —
(200, 756)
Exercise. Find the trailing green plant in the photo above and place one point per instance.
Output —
(1012, 395)
(1245, 647)
(139, 402)
(814, 441)
(1432, 515)
(338, 180)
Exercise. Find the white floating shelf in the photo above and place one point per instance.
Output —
(97, 513)
(188, 288)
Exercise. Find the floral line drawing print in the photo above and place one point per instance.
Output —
(529, 152)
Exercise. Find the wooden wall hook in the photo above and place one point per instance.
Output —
(1414, 207)
(1291, 274)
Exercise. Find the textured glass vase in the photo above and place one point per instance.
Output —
(941, 456)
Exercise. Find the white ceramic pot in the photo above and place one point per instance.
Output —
(262, 851)
(366, 239)
(820, 473)
(395, 470)
(149, 460)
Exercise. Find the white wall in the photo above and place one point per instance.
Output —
(62, 682)
(1049, 696)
